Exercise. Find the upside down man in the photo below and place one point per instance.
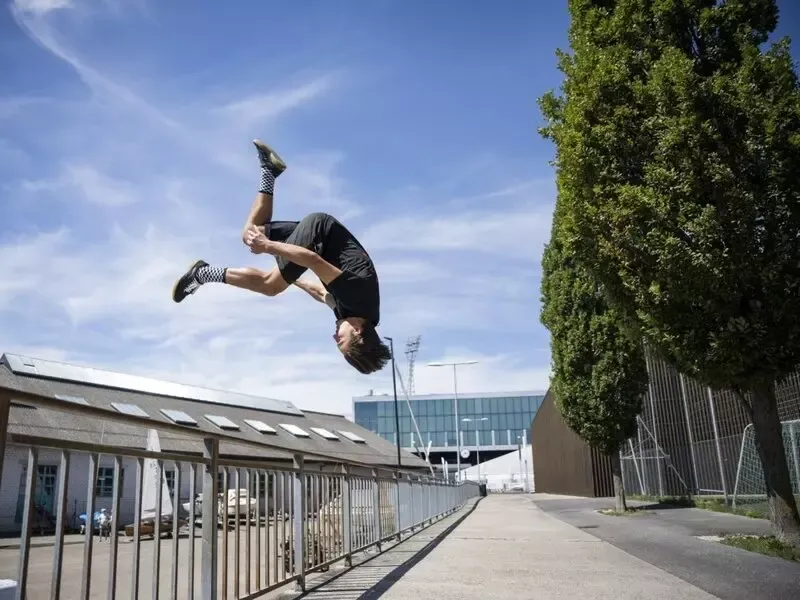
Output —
(348, 281)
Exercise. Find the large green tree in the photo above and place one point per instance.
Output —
(678, 160)
(599, 370)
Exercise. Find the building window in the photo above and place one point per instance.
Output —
(170, 477)
(104, 487)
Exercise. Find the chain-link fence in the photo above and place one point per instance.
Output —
(695, 440)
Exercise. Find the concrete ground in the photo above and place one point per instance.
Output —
(668, 538)
(506, 548)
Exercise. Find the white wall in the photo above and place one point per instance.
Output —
(504, 472)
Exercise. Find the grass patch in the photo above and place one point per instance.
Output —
(718, 505)
(767, 545)
(664, 500)
(712, 503)
(632, 510)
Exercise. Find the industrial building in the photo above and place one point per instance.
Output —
(239, 416)
(689, 440)
(489, 424)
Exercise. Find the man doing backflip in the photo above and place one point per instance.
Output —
(349, 282)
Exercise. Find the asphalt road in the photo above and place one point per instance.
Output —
(667, 539)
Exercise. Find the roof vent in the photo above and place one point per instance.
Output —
(352, 437)
(295, 430)
(223, 422)
(321, 431)
(178, 416)
(260, 426)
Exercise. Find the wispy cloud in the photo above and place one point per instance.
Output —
(91, 186)
(518, 233)
(253, 110)
(40, 7)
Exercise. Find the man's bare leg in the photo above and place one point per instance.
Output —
(272, 165)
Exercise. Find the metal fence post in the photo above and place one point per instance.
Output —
(300, 517)
(347, 523)
(655, 430)
(376, 504)
(720, 463)
(795, 454)
(411, 501)
(208, 556)
(27, 521)
(397, 478)
(645, 466)
(696, 489)
(5, 406)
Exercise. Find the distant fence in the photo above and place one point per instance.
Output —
(691, 439)
(286, 522)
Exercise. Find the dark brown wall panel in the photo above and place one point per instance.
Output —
(562, 461)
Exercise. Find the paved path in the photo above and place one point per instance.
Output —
(507, 548)
(668, 539)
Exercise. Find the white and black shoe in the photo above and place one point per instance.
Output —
(269, 159)
(187, 283)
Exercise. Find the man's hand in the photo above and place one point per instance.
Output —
(256, 240)
(247, 229)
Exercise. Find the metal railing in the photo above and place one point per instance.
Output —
(283, 522)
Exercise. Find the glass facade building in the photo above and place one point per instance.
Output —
(500, 418)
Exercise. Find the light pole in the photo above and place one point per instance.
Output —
(396, 406)
(455, 403)
(477, 441)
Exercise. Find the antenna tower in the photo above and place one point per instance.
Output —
(412, 347)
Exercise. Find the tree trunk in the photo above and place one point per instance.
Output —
(769, 441)
(619, 488)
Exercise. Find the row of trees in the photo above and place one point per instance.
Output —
(677, 222)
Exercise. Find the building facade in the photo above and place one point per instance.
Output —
(495, 422)
(261, 435)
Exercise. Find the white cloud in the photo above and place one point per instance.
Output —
(255, 109)
(517, 233)
(91, 185)
(41, 7)
(92, 285)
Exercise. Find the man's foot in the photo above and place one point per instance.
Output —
(187, 283)
(269, 159)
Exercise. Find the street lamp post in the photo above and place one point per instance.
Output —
(455, 402)
(396, 405)
(477, 441)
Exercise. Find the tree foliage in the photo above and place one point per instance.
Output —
(599, 372)
(678, 154)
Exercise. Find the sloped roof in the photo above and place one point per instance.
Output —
(101, 389)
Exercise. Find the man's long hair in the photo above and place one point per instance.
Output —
(367, 353)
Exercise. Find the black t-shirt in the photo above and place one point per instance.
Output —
(356, 291)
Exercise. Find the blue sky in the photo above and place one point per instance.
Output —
(125, 154)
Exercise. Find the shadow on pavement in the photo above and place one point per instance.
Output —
(372, 578)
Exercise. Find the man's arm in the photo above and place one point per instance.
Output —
(303, 257)
(316, 291)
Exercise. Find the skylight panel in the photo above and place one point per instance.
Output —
(73, 399)
(295, 430)
(324, 433)
(260, 426)
(223, 422)
(129, 409)
(353, 437)
(178, 416)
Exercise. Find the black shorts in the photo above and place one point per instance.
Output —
(312, 233)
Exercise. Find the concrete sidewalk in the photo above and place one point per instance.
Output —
(508, 549)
